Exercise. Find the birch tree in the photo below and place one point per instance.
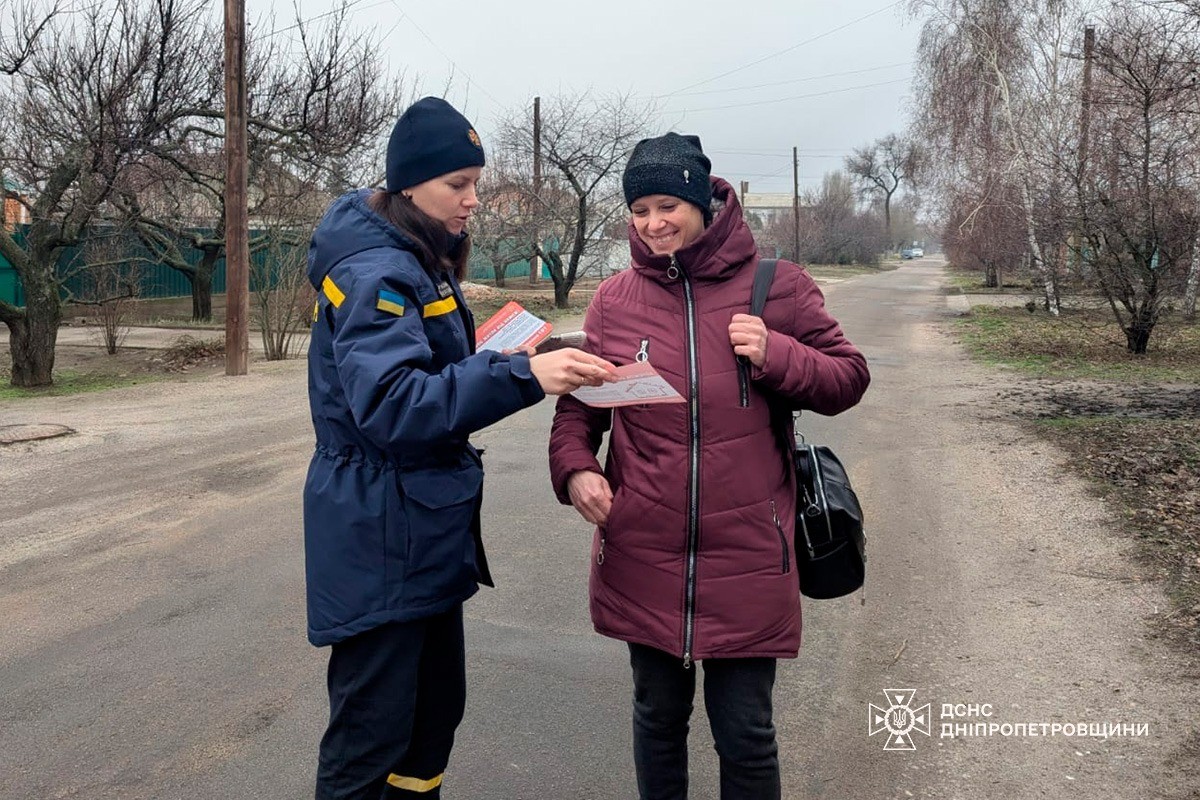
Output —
(991, 72)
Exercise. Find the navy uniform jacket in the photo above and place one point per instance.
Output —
(391, 502)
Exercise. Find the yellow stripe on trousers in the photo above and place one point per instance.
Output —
(414, 784)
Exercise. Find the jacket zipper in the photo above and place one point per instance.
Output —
(787, 562)
(693, 540)
(743, 381)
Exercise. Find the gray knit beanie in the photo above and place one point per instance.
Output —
(669, 164)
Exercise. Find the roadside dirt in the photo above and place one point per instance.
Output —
(1051, 399)
(1139, 446)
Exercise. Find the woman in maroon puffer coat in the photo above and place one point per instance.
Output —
(693, 553)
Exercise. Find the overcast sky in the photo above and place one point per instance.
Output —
(840, 69)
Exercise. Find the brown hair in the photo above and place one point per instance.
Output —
(429, 235)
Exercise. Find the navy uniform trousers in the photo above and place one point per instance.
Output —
(396, 695)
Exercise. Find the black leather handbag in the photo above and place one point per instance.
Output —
(833, 561)
(830, 539)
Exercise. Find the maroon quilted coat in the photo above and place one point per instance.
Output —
(697, 557)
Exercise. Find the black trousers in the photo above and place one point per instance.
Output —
(396, 695)
(737, 695)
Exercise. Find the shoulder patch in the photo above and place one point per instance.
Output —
(390, 302)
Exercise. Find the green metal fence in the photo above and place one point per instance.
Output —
(159, 280)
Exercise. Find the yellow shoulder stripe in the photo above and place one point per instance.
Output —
(440, 307)
(335, 295)
(414, 784)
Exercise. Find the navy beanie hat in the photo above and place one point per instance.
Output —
(669, 164)
(431, 138)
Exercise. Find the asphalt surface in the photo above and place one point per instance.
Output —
(151, 592)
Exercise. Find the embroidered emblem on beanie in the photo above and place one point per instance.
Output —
(431, 138)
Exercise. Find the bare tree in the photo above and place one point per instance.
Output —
(110, 279)
(986, 233)
(80, 107)
(586, 140)
(839, 231)
(20, 30)
(283, 296)
(1142, 218)
(834, 229)
(996, 89)
(502, 225)
(882, 167)
(1192, 284)
(319, 110)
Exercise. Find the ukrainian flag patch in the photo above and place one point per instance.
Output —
(390, 302)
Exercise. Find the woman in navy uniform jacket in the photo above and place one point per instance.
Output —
(392, 498)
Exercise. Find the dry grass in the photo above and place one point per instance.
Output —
(1079, 344)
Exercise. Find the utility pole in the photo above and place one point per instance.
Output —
(1085, 113)
(535, 263)
(796, 203)
(237, 245)
(1085, 124)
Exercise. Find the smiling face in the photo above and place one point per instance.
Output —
(666, 223)
(448, 198)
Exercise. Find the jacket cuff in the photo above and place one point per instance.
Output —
(564, 478)
(777, 354)
(531, 390)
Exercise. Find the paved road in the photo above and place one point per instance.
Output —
(151, 584)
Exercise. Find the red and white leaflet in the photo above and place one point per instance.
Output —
(511, 327)
(636, 384)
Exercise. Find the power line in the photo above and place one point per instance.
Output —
(793, 97)
(350, 6)
(452, 62)
(771, 175)
(786, 49)
(817, 153)
(785, 83)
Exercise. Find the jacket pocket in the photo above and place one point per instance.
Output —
(783, 543)
(440, 509)
(605, 530)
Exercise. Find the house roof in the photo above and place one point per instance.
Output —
(767, 200)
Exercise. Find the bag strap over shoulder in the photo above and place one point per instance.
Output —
(781, 420)
(764, 276)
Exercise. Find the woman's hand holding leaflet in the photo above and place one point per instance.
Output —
(564, 371)
(591, 496)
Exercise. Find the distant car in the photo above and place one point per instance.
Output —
(908, 253)
(918, 252)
